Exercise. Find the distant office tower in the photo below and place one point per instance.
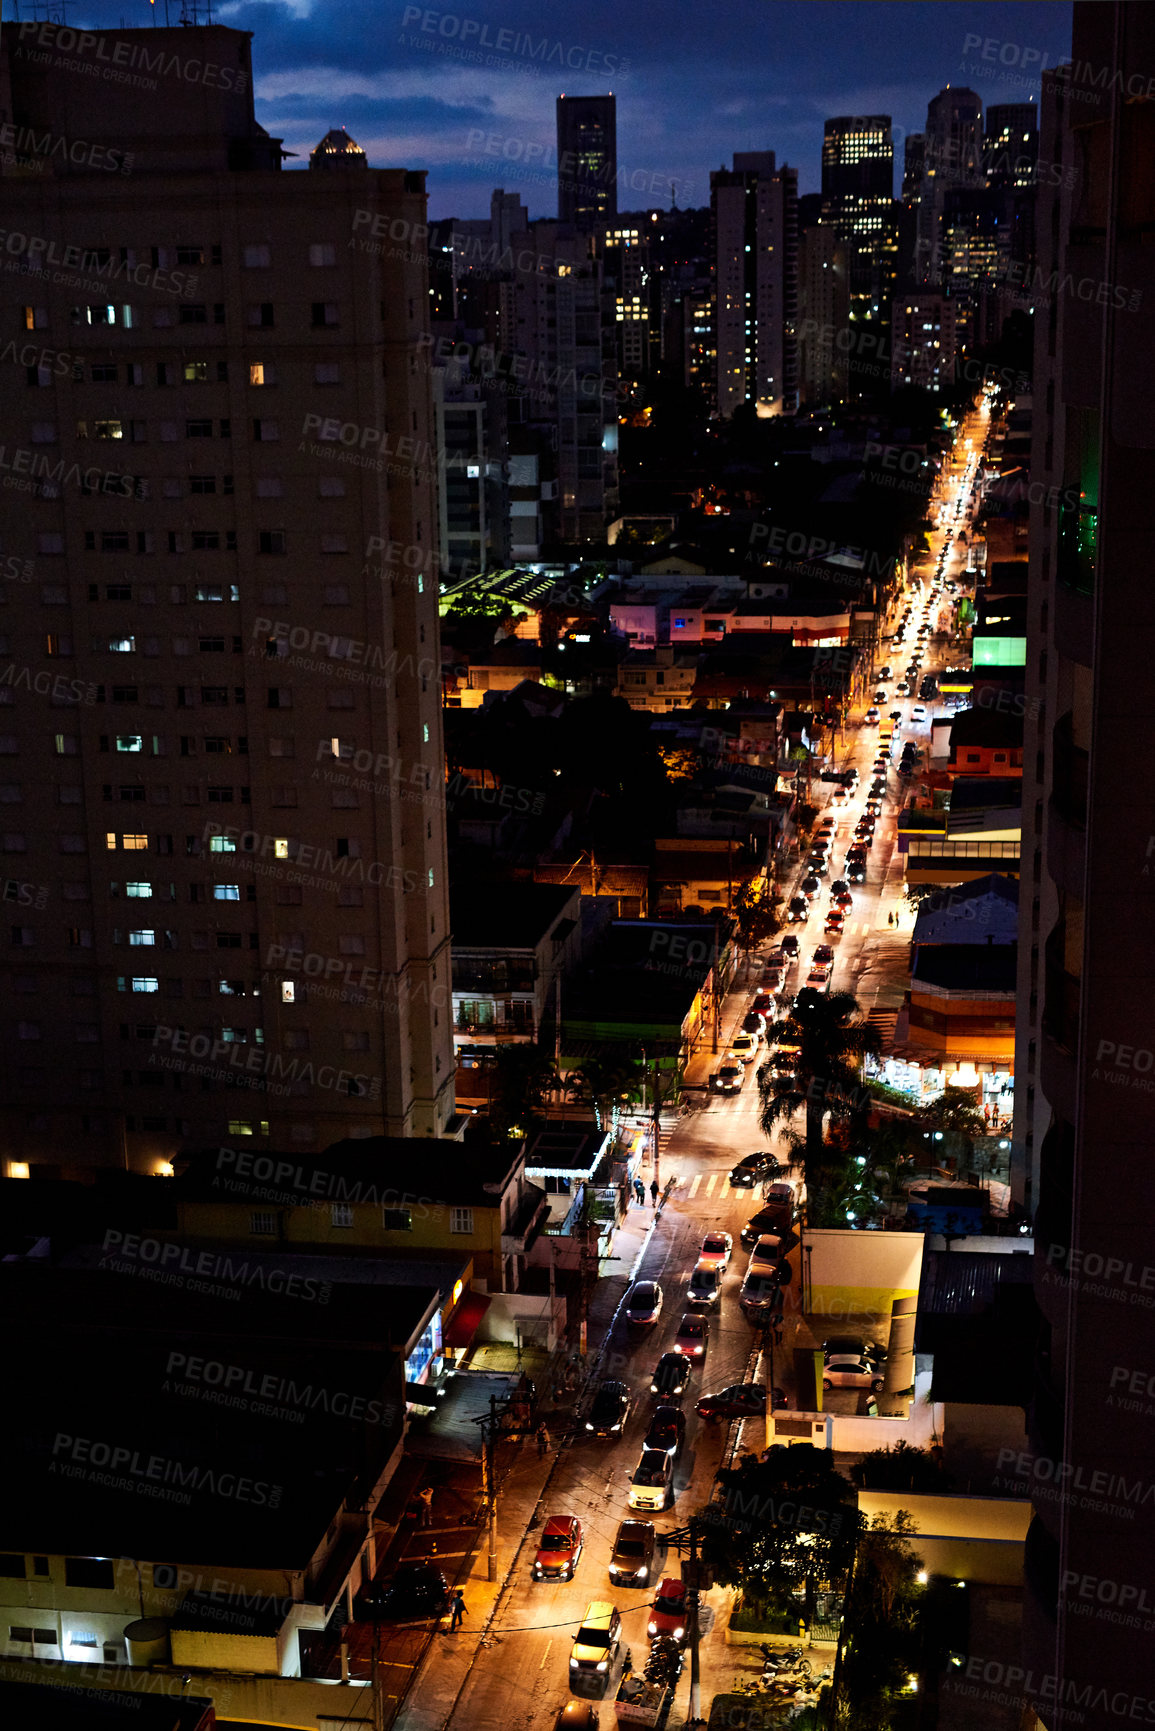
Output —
(924, 341)
(823, 315)
(952, 158)
(587, 160)
(229, 534)
(1011, 159)
(858, 199)
(1084, 1072)
(625, 250)
(755, 224)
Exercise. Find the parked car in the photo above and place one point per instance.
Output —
(761, 1293)
(595, 1647)
(717, 1248)
(728, 1080)
(751, 1168)
(667, 1429)
(609, 1409)
(671, 1376)
(633, 1554)
(705, 1285)
(740, 1400)
(652, 1481)
(767, 1252)
(799, 908)
(643, 1304)
(668, 1613)
(560, 1549)
(692, 1336)
(853, 1346)
(809, 887)
(744, 1048)
(851, 1371)
(413, 1590)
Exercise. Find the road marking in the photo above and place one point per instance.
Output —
(545, 1655)
(693, 1190)
(710, 1183)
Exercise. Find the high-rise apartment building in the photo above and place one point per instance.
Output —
(587, 160)
(858, 199)
(823, 315)
(924, 336)
(952, 157)
(221, 721)
(754, 215)
(1084, 1071)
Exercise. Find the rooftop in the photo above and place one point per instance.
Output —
(373, 1169)
(977, 727)
(987, 967)
(506, 916)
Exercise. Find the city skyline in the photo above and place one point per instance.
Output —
(409, 93)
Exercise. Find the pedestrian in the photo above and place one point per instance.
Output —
(542, 1441)
(425, 1498)
(987, 1115)
(640, 1192)
(654, 1192)
(457, 1610)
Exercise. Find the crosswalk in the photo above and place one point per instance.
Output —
(884, 1021)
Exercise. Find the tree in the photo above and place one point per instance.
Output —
(832, 1040)
(522, 1077)
(607, 1085)
(785, 1521)
(901, 1468)
(882, 1646)
(754, 916)
(953, 1115)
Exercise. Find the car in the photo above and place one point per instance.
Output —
(609, 1409)
(826, 825)
(413, 1590)
(856, 871)
(692, 1336)
(799, 908)
(809, 887)
(884, 672)
(823, 953)
(896, 715)
(633, 1554)
(577, 1716)
(903, 688)
(743, 1049)
(671, 1376)
(844, 901)
(880, 696)
(652, 1480)
(705, 1285)
(835, 921)
(729, 1079)
(865, 833)
(851, 1371)
(596, 1644)
(790, 947)
(837, 888)
(717, 1248)
(740, 1400)
(752, 1026)
(853, 1346)
(667, 1429)
(918, 713)
(817, 864)
(906, 768)
(767, 1220)
(643, 1303)
(817, 980)
(560, 1549)
(872, 714)
(763, 1003)
(668, 1612)
(840, 797)
(766, 1253)
(877, 788)
(751, 1168)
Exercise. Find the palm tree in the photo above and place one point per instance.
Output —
(607, 1085)
(523, 1075)
(832, 1040)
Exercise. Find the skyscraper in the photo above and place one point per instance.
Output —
(229, 624)
(754, 216)
(858, 199)
(587, 160)
(952, 158)
(1084, 1070)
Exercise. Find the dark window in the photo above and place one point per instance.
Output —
(397, 1220)
(195, 313)
(89, 1572)
(12, 1567)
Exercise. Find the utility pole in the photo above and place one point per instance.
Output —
(491, 1481)
(693, 1578)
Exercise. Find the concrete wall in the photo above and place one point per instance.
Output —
(922, 1425)
(858, 1275)
(971, 1538)
(540, 1319)
(280, 1701)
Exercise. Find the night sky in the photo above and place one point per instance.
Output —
(694, 83)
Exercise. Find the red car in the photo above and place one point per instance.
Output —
(560, 1548)
(668, 1616)
(834, 920)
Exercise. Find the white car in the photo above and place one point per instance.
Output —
(918, 713)
(851, 1372)
(716, 1250)
(743, 1049)
(643, 1302)
(766, 1254)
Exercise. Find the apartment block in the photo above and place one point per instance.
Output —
(224, 524)
(755, 231)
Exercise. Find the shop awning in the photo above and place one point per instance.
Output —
(466, 1319)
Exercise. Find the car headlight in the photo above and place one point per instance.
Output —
(643, 1572)
(589, 1426)
(573, 1664)
(615, 1427)
(603, 1664)
(653, 1390)
(613, 1568)
(678, 1633)
(653, 1629)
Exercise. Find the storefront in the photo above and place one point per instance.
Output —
(923, 1076)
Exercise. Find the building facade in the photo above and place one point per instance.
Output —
(230, 531)
(755, 230)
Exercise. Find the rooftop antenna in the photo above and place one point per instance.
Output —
(190, 13)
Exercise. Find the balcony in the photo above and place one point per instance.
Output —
(532, 1216)
(1078, 548)
(1061, 996)
(1070, 767)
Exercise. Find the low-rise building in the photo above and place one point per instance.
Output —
(962, 1006)
(657, 679)
(986, 741)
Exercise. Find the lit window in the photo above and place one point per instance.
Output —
(138, 891)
